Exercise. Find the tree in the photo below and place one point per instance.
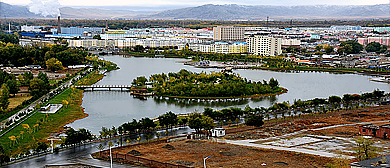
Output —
(9, 38)
(195, 122)
(4, 97)
(328, 49)
(97, 37)
(273, 83)
(37, 87)
(350, 47)
(41, 147)
(254, 120)
(4, 156)
(65, 103)
(45, 79)
(334, 99)
(12, 86)
(365, 149)
(53, 64)
(376, 47)
(27, 76)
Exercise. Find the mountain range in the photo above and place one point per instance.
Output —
(215, 12)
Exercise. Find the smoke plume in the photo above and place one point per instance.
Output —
(45, 7)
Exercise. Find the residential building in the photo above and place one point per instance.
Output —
(228, 33)
(381, 40)
(264, 45)
(382, 131)
(291, 43)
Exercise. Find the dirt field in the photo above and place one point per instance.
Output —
(18, 99)
(191, 153)
(271, 129)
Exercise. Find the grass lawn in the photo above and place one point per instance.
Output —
(17, 100)
(90, 78)
(48, 123)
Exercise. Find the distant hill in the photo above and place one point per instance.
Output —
(246, 12)
(15, 11)
(215, 12)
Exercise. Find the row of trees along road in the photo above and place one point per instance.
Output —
(10, 85)
(14, 54)
(216, 84)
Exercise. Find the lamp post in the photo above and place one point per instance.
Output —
(204, 161)
(52, 144)
(110, 144)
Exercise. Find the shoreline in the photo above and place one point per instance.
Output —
(284, 90)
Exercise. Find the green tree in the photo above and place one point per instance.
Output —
(254, 120)
(334, 99)
(27, 76)
(376, 47)
(12, 86)
(37, 87)
(350, 47)
(97, 37)
(9, 38)
(328, 49)
(41, 147)
(195, 122)
(365, 149)
(273, 83)
(53, 64)
(4, 97)
(4, 156)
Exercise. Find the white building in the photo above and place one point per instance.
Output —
(264, 45)
(218, 132)
(228, 33)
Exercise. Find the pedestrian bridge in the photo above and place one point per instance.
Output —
(109, 87)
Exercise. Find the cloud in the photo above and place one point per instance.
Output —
(45, 7)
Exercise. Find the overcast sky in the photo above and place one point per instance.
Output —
(153, 3)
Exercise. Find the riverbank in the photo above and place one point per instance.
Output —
(40, 126)
(284, 90)
(324, 69)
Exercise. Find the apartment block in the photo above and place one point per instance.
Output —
(228, 33)
(264, 45)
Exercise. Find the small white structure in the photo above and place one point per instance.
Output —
(218, 132)
(50, 108)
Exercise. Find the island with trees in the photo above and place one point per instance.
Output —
(215, 85)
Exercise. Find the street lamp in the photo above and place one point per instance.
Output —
(204, 161)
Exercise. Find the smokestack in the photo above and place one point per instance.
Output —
(59, 25)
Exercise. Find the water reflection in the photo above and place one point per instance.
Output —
(200, 102)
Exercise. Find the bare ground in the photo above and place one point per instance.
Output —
(191, 153)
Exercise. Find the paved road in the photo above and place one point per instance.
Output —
(81, 154)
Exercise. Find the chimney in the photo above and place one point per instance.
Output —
(59, 25)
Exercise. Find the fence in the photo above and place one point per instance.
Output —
(143, 161)
(131, 158)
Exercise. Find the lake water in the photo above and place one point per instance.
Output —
(112, 108)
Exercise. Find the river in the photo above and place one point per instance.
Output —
(112, 108)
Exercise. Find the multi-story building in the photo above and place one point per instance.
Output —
(291, 43)
(228, 33)
(264, 45)
(381, 40)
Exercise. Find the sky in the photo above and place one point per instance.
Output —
(153, 3)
